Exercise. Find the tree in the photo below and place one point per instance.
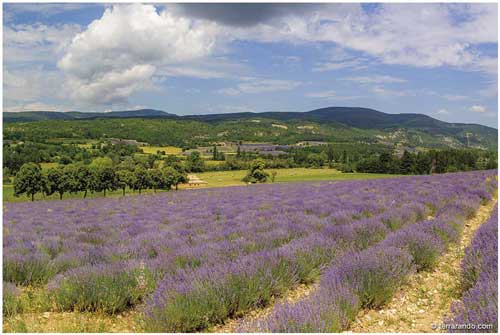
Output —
(256, 173)
(174, 177)
(330, 155)
(125, 178)
(214, 157)
(423, 163)
(141, 180)
(83, 177)
(29, 180)
(103, 179)
(56, 181)
(407, 163)
(195, 163)
(102, 162)
(127, 164)
(157, 179)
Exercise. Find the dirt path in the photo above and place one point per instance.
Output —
(426, 299)
(232, 325)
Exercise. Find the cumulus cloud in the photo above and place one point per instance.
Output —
(477, 109)
(118, 54)
(255, 85)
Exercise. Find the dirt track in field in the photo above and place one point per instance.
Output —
(427, 297)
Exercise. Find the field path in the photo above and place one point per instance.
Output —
(294, 295)
(427, 297)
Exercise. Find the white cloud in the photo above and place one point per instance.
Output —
(186, 71)
(118, 54)
(36, 43)
(477, 109)
(443, 111)
(35, 107)
(377, 79)
(331, 95)
(29, 85)
(421, 35)
(353, 64)
(254, 85)
(383, 91)
(322, 95)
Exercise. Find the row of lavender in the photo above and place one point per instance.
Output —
(200, 257)
(369, 278)
(205, 297)
(478, 309)
(90, 243)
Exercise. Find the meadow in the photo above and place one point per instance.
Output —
(213, 179)
(189, 261)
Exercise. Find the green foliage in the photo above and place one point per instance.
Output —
(142, 179)
(29, 180)
(33, 269)
(110, 291)
(194, 162)
(103, 179)
(10, 298)
(256, 173)
(209, 303)
(174, 177)
(125, 178)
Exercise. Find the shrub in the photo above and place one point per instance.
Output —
(109, 288)
(330, 310)
(11, 303)
(375, 273)
(424, 248)
(479, 303)
(27, 269)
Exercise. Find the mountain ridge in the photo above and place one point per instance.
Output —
(411, 128)
(342, 115)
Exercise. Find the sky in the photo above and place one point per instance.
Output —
(435, 59)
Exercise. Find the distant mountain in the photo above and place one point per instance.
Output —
(40, 116)
(391, 129)
(362, 118)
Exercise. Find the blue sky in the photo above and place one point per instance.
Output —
(435, 59)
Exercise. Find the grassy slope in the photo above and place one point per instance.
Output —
(220, 179)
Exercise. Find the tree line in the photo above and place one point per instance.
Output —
(433, 161)
(97, 177)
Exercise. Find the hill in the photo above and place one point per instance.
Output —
(43, 115)
(344, 124)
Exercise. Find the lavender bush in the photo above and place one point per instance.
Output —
(479, 303)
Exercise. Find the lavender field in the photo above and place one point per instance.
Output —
(194, 259)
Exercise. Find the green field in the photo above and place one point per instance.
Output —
(218, 179)
(232, 178)
(169, 150)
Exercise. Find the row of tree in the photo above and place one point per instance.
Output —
(31, 180)
(433, 161)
